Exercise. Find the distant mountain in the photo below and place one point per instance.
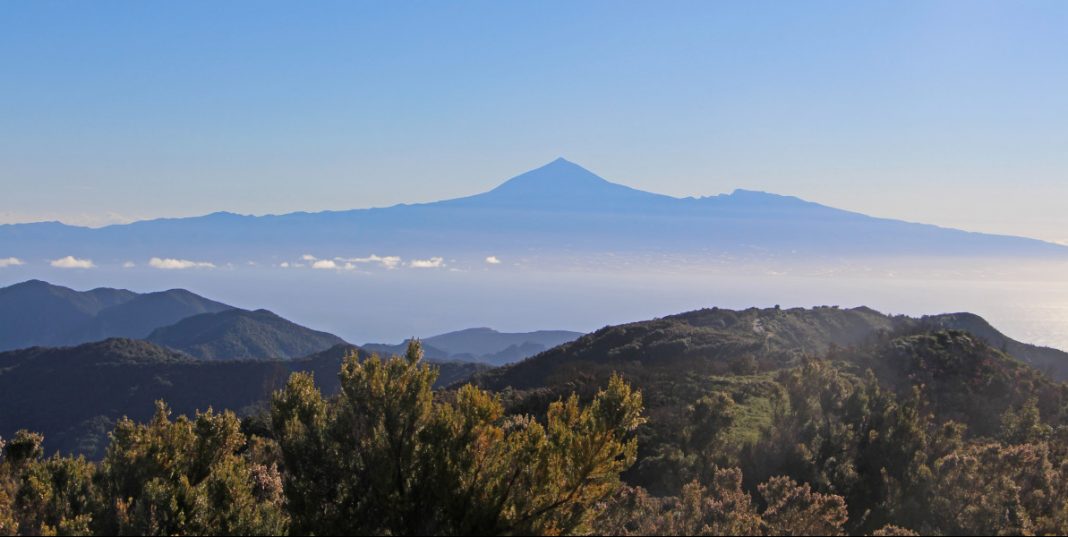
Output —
(38, 313)
(558, 210)
(449, 371)
(74, 395)
(484, 345)
(141, 315)
(237, 334)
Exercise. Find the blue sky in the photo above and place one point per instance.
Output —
(953, 113)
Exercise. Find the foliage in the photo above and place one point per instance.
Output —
(184, 477)
(384, 457)
(75, 395)
(8, 523)
(56, 496)
(724, 508)
(931, 431)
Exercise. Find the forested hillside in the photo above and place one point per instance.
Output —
(237, 334)
(75, 395)
(759, 422)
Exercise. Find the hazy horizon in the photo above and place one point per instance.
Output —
(110, 219)
(1029, 303)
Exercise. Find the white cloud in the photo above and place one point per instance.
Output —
(433, 262)
(129, 264)
(72, 262)
(177, 264)
(352, 263)
(389, 261)
(11, 262)
(285, 264)
(492, 260)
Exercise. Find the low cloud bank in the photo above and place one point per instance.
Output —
(71, 262)
(388, 262)
(433, 262)
(178, 264)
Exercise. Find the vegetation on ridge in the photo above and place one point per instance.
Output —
(76, 395)
(705, 423)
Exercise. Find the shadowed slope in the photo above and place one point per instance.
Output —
(240, 334)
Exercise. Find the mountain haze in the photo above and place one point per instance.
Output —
(557, 210)
(484, 345)
(37, 313)
(74, 395)
(237, 334)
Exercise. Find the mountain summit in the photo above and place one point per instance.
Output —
(39, 313)
(561, 176)
(562, 184)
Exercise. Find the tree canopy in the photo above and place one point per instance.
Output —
(832, 450)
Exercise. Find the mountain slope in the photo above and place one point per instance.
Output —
(708, 341)
(139, 316)
(557, 210)
(718, 341)
(691, 360)
(73, 395)
(964, 377)
(484, 345)
(240, 334)
(39, 313)
(1053, 362)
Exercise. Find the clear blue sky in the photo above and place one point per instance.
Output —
(953, 113)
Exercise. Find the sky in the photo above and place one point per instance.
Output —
(952, 113)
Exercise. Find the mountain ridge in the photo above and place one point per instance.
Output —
(75, 394)
(37, 313)
(716, 341)
(556, 209)
(483, 345)
(237, 334)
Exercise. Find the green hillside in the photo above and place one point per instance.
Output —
(239, 334)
